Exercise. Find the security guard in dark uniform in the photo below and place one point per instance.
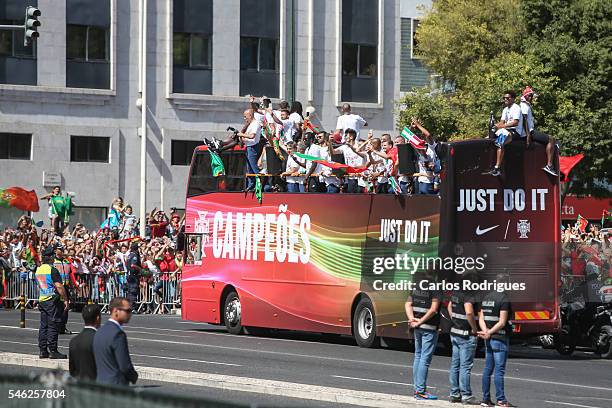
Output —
(63, 266)
(494, 321)
(50, 305)
(462, 309)
(134, 270)
(422, 309)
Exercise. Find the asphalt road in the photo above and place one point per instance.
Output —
(534, 377)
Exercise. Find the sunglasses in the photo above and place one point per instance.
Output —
(507, 97)
(127, 310)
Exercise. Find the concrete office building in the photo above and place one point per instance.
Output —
(68, 103)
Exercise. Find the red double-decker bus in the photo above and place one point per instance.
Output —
(342, 263)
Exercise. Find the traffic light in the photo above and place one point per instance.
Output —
(31, 25)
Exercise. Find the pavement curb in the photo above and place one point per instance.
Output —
(247, 384)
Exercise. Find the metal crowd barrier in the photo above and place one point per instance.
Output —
(157, 294)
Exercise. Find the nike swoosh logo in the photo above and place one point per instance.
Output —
(484, 231)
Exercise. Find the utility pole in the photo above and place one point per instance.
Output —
(143, 119)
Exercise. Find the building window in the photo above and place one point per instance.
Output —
(413, 73)
(192, 30)
(182, 151)
(87, 43)
(15, 146)
(88, 26)
(258, 54)
(360, 25)
(359, 60)
(414, 42)
(18, 63)
(259, 47)
(89, 149)
(192, 51)
(11, 42)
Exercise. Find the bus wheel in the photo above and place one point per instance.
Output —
(364, 324)
(233, 313)
(604, 346)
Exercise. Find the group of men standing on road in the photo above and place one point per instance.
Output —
(98, 353)
(472, 317)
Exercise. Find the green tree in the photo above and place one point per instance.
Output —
(560, 48)
(433, 110)
(489, 80)
(455, 34)
(574, 40)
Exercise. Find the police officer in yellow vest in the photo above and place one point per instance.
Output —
(50, 305)
(63, 266)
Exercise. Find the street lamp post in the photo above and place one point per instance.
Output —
(143, 118)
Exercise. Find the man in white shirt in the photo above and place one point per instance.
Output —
(295, 183)
(251, 139)
(285, 128)
(312, 149)
(511, 124)
(332, 182)
(530, 132)
(352, 158)
(350, 121)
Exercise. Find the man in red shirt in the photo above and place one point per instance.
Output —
(158, 221)
(166, 266)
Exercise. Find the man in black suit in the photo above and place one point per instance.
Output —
(113, 363)
(82, 362)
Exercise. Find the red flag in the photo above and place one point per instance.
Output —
(582, 223)
(19, 198)
(566, 163)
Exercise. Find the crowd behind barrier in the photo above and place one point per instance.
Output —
(586, 259)
(98, 260)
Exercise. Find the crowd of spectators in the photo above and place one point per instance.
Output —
(586, 256)
(99, 258)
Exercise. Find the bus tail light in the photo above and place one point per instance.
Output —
(516, 328)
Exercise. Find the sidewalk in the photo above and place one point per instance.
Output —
(246, 384)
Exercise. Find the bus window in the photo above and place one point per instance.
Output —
(235, 166)
(201, 180)
(194, 249)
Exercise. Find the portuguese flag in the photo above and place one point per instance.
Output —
(19, 198)
(336, 166)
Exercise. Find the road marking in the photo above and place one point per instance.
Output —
(570, 404)
(245, 384)
(187, 359)
(129, 330)
(511, 363)
(378, 381)
(140, 355)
